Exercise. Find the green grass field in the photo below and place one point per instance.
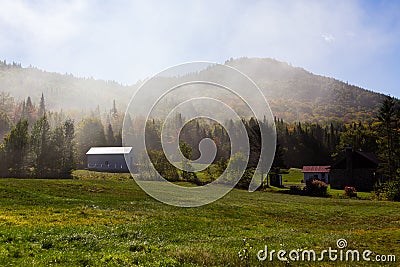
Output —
(107, 220)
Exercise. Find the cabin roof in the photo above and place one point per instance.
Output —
(109, 150)
(360, 159)
(318, 169)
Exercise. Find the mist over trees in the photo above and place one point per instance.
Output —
(294, 94)
(41, 143)
(33, 147)
(316, 117)
(28, 136)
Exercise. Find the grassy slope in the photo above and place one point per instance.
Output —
(113, 222)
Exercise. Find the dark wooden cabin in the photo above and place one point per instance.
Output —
(357, 169)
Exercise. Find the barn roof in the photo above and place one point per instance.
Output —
(315, 169)
(360, 159)
(109, 150)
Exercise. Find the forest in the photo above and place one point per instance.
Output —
(293, 93)
(41, 143)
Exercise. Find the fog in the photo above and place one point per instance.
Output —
(126, 41)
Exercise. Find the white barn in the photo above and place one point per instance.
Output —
(316, 173)
(110, 159)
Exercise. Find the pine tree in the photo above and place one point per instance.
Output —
(24, 114)
(30, 112)
(69, 163)
(110, 136)
(114, 111)
(16, 146)
(389, 126)
(41, 148)
(29, 105)
(90, 133)
(186, 165)
(42, 107)
(5, 124)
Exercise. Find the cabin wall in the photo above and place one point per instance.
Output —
(361, 179)
(316, 176)
(108, 163)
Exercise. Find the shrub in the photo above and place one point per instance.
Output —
(295, 190)
(350, 191)
(245, 180)
(393, 190)
(316, 188)
(388, 191)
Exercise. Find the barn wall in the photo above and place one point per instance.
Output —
(308, 176)
(311, 175)
(338, 179)
(362, 179)
(111, 163)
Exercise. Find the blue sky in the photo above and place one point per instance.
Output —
(354, 41)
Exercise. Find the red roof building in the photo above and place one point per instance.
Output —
(315, 169)
(316, 173)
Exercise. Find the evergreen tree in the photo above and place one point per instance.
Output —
(189, 176)
(69, 163)
(114, 111)
(278, 162)
(3, 159)
(42, 107)
(5, 124)
(30, 112)
(153, 136)
(110, 136)
(389, 127)
(57, 144)
(90, 133)
(41, 148)
(16, 146)
(24, 114)
(118, 138)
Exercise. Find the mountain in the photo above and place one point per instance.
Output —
(299, 95)
(293, 93)
(62, 92)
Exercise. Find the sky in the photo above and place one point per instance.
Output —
(354, 41)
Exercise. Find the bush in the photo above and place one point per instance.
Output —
(316, 188)
(350, 191)
(388, 191)
(159, 163)
(245, 180)
(393, 190)
(295, 190)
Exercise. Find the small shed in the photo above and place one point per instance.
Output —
(357, 169)
(316, 173)
(110, 159)
(275, 179)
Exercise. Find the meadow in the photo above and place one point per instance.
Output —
(102, 219)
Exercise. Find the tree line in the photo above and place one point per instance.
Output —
(42, 143)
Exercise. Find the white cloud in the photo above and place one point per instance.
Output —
(328, 38)
(129, 40)
(42, 24)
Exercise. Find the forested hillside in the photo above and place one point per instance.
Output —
(315, 118)
(63, 92)
(293, 93)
